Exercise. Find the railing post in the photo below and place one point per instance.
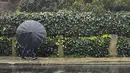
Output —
(13, 40)
(112, 46)
(60, 47)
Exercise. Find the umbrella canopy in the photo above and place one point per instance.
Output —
(31, 33)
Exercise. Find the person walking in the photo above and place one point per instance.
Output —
(30, 34)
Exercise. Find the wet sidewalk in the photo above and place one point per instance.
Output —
(88, 60)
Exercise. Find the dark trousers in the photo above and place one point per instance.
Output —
(30, 51)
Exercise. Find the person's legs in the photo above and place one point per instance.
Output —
(24, 52)
(33, 53)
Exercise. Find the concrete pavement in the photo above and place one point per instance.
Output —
(87, 60)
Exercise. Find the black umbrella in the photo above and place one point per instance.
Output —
(31, 34)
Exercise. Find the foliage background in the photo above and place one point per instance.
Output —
(83, 24)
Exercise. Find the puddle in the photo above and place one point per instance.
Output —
(65, 68)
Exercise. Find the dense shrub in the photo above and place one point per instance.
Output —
(49, 48)
(123, 47)
(95, 46)
(75, 24)
(75, 47)
(87, 46)
(5, 47)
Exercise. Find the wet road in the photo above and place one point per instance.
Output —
(66, 68)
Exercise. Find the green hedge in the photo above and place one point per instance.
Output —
(73, 47)
(87, 47)
(49, 48)
(72, 24)
(96, 46)
(123, 46)
(75, 27)
(5, 46)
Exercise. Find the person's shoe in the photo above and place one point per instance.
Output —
(34, 58)
(23, 58)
